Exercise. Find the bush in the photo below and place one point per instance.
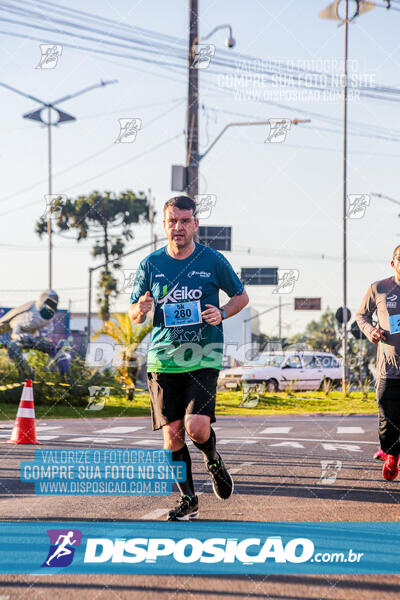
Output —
(49, 386)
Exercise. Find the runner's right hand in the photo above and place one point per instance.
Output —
(378, 335)
(145, 303)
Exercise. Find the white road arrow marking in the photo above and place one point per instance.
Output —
(291, 444)
(277, 430)
(341, 447)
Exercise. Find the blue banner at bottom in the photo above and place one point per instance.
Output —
(199, 547)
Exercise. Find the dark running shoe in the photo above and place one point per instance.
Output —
(187, 508)
(222, 481)
(391, 467)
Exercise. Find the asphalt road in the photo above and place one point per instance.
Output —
(286, 468)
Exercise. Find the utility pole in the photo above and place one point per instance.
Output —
(192, 123)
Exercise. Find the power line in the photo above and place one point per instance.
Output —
(178, 50)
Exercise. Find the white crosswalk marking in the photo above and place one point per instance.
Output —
(277, 430)
(45, 438)
(94, 440)
(240, 441)
(350, 430)
(118, 430)
(149, 442)
(47, 428)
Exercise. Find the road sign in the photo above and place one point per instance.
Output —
(259, 275)
(178, 178)
(307, 304)
(217, 237)
(356, 331)
(341, 317)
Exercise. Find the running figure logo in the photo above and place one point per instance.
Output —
(128, 130)
(286, 281)
(357, 206)
(50, 54)
(278, 129)
(62, 542)
(202, 55)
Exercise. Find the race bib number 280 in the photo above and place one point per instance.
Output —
(182, 313)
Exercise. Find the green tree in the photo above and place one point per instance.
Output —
(107, 218)
(324, 335)
(128, 336)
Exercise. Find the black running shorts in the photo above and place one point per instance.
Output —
(388, 397)
(174, 395)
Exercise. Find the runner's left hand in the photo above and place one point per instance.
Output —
(212, 315)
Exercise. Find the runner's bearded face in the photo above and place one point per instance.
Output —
(180, 226)
(396, 263)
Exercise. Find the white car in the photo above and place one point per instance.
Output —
(279, 370)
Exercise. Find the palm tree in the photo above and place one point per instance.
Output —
(129, 336)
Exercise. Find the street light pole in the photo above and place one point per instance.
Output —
(344, 215)
(332, 12)
(245, 124)
(49, 230)
(62, 118)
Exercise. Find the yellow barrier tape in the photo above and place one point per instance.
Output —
(10, 386)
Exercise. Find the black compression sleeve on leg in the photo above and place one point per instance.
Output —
(185, 487)
(208, 448)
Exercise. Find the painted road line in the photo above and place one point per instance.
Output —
(149, 442)
(46, 438)
(47, 428)
(350, 430)
(276, 430)
(118, 430)
(95, 440)
(257, 437)
(234, 441)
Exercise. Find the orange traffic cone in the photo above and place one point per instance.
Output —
(24, 431)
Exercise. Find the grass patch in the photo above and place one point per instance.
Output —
(227, 404)
(298, 403)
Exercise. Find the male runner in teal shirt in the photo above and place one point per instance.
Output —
(182, 282)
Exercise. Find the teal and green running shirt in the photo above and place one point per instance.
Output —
(181, 288)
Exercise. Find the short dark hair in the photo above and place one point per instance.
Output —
(182, 202)
(394, 251)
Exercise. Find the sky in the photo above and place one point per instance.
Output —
(283, 200)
